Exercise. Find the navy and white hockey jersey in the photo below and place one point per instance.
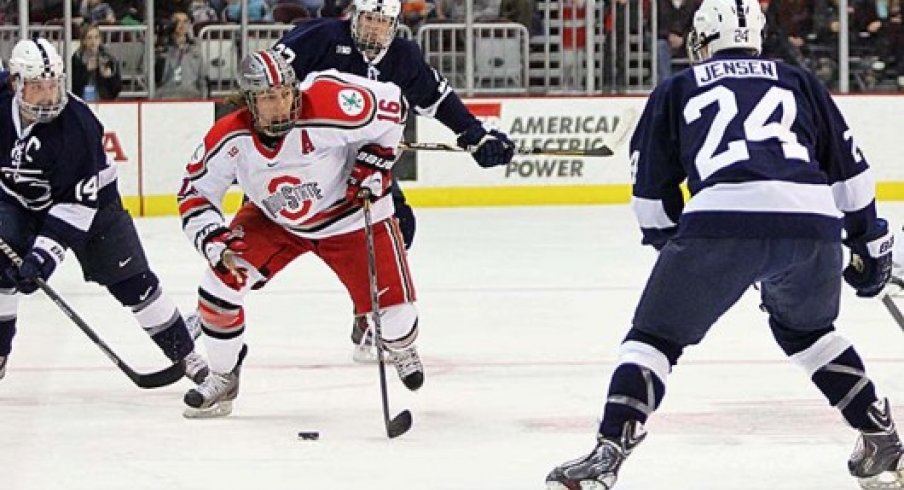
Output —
(58, 170)
(322, 44)
(764, 150)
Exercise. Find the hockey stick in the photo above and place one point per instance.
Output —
(626, 122)
(890, 303)
(603, 151)
(401, 422)
(157, 379)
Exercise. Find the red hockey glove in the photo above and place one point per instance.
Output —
(371, 171)
(222, 247)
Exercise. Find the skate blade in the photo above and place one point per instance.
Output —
(221, 409)
(584, 485)
(887, 480)
(368, 355)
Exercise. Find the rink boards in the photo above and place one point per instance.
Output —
(151, 142)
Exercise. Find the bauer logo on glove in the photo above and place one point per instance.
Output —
(371, 171)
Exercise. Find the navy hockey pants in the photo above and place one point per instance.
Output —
(696, 280)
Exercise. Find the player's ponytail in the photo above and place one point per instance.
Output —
(237, 99)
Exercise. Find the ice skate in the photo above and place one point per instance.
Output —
(365, 350)
(408, 364)
(195, 367)
(3, 360)
(878, 458)
(599, 469)
(213, 398)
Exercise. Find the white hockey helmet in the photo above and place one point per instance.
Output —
(36, 60)
(374, 25)
(260, 72)
(726, 24)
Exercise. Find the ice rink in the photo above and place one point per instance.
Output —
(521, 312)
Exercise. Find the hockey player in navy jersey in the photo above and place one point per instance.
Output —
(774, 177)
(366, 45)
(58, 192)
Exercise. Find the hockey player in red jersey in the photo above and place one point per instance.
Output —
(302, 158)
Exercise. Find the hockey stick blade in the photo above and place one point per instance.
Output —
(165, 377)
(157, 379)
(603, 151)
(399, 424)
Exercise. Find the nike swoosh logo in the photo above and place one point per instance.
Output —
(380, 293)
(123, 263)
(143, 296)
(271, 165)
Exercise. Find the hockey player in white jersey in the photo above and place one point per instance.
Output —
(302, 157)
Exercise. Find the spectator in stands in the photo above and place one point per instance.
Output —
(128, 12)
(95, 72)
(454, 10)
(97, 12)
(258, 11)
(895, 29)
(450, 10)
(520, 11)
(574, 43)
(789, 30)
(864, 33)
(617, 75)
(201, 11)
(335, 8)
(675, 17)
(179, 67)
(297, 9)
(414, 12)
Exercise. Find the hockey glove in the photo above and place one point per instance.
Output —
(222, 247)
(371, 172)
(870, 266)
(489, 148)
(40, 263)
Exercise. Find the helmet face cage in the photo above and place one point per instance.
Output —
(259, 74)
(33, 62)
(374, 25)
(726, 24)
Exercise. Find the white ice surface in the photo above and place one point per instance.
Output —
(522, 310)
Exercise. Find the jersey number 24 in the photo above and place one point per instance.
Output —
(756, 127)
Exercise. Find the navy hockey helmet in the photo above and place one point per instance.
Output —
(374, 25)
(267, 74)
(726, 24)
(36, 62)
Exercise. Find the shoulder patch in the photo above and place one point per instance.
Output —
(331, 101)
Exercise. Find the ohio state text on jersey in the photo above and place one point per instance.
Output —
(300, 183)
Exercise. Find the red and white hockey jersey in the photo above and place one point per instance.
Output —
(301, 183)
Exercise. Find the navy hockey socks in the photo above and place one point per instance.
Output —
(7, 332)
(634, 393)
(844, 382)
(638, 383)
(835, 367)
(156, 313)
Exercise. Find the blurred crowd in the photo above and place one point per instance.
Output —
(802, 32)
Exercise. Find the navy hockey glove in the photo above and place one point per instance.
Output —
(489, 148)
(870, 266)
(222, 247)
(40, 263)
(371, 171)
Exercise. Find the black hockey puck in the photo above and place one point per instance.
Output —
(309, 435)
